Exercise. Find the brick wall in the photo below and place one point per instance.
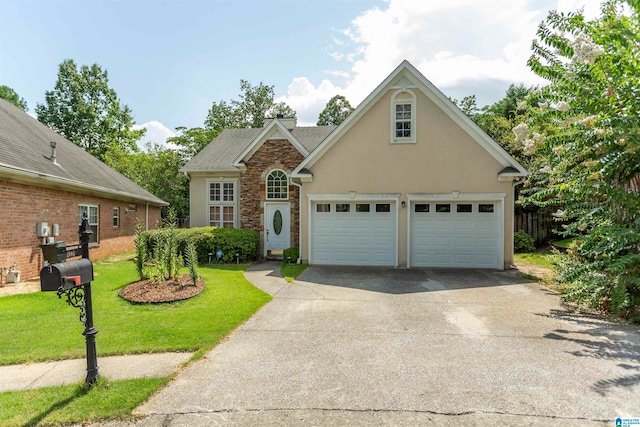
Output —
(273, 154)
(25, 205)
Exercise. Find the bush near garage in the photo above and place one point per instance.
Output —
(208, 240)
(290, 254)
(522, 242)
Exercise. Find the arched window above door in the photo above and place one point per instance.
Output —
(277, 185)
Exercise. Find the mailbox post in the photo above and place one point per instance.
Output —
(73, 279)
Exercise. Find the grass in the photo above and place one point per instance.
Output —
(541, 259)
(39, 327)
(291, 271)
(76, 403)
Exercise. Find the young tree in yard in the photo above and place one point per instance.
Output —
(84, 109)
(10, 95)
(592, 161)
(335, 112)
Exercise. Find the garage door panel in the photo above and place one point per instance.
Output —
(353, 238)
(454, 239)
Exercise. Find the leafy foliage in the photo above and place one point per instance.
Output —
(290, 254)
(522, 242)
(191, 259)
(335, 112)
(10, 95)
(592, 157)
(83, 108)
(142, 256)
(255, 103)
(157, 170)
(208, 240)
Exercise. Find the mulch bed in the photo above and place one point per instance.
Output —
(145, 291)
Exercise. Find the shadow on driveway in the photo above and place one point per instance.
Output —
(407, 281)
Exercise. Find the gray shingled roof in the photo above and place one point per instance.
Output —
(220, 154)
(25, 150)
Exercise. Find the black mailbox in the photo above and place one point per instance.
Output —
(56, 252)
(66, 275)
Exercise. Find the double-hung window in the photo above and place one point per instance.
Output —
(403, 117)
(222, 204)
(92, 215)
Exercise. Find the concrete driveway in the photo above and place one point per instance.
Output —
(383, 346)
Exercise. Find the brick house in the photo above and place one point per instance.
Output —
(406, 180)
(47, 178)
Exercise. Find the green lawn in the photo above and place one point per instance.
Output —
(540, 259)
(39, 326)
(75, 403)
(291, 271)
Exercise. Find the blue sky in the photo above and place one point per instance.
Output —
(169, 60)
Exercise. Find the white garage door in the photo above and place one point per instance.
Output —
(353, 233)
(455, 234)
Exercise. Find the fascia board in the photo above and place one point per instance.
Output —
(337, 133)
(263, 136)
(49, 181)
(436, 96)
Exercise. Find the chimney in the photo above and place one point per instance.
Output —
(53, 152)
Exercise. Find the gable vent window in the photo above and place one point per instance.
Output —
(277, 185)
(403, 117)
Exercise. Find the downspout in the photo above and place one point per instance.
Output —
(513, 218)
(299, 218)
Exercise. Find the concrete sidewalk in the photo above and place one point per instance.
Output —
(35, 375)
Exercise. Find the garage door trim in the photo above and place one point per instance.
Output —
(351, 197)
(456, 197)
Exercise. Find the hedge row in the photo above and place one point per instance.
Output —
(208, 240)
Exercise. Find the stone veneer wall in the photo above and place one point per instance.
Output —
(273, 154)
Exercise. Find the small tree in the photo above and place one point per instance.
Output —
(191, 255)
(141, 250)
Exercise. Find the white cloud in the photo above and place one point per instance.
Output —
(452, 43)
(157, 133)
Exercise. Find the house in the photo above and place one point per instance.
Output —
(45, 178)
(406, 180)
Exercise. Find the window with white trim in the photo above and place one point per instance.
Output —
(92, 216)
(222, 204)
(403, 117)
(116, 217)
(277, 185)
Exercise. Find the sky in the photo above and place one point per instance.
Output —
(168, 60)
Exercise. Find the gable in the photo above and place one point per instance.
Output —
(406, 78)
(443, 155)
(275, 130)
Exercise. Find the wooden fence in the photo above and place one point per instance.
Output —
(537, 224)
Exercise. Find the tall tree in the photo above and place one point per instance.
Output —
(10, 95)
(192, 140)
(593, 158)
(255, 104)
(335, 112)
(84, 109)
(156, 169)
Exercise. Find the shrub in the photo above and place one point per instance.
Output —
(207, 240)
(290, 254)
(522, 242)
(141, 250)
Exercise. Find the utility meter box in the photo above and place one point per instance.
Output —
(42, 229)
(66, 275)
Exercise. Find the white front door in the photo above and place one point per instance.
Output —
(277, 228)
